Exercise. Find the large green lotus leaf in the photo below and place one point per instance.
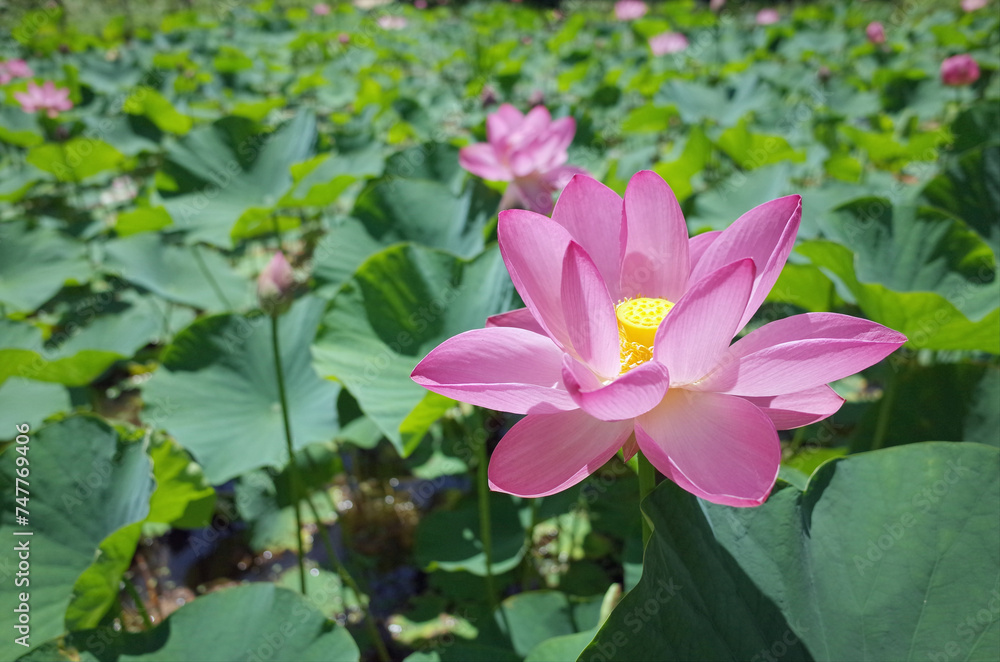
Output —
(718, 207)
(192, 275)
(226, 169)
(217, 391)
(255, 621)
(423, 197)
(886, 555)
(76, 159)
(400, 304)
(970, 189)
(693, 601)
(35, 263)
(17, 181)
(84, 486)
(449, 539)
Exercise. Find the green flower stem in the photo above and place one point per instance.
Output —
(348, 580)
(485, 532)
(293, 473)
(647, 481)
(140, 607)
(529, 542)
(884, 413)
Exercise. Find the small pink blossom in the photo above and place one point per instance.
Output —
(344, 38)
(768, 16)
(629, 10)
(321, 9)
(668, 42)
(716, 5)
(875, 33)
(974, 5)
(48, 97)
(11, 69)
(626, 343)
(529, 151)
(390, 22)
(276, 284)
(959, 70)
(420, 4)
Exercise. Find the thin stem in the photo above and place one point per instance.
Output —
(485, 531)
(139, 605)
(647, 481)
(348, 580)
(529, 542)
(884, 413)
(292, 468)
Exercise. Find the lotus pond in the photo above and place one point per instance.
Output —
(252, 408)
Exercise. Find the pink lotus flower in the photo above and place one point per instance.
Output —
(275, 284)
(48, 97)
(526, 150)
(321, 9)
(668, 42)
(973, 5)
(390, 22)
(625, 343)
(420, 4)
(11, 69)
(716, 5)
(959, 70)
(768, 17)
(875, 32)
(629, 10)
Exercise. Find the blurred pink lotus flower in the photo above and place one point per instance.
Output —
(716, 5)
(321, 9)
(275, 285)
(344, 38)
(47, 97)
(768, 17)
(11, 69)
(625, 343)
(390, 22)
(668, 42)
(420, 4)
(629, 10)
(875, 32)
(123, 189)
(959, 70)
(529, 151)
(974, 5)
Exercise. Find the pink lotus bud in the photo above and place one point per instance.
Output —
(321, 9)
(768, 17)
(875, 32)
(716, 5)
(488, 96)
(11, 69)
(344, 38)
(275, 285)
(959, 70)
(420, 4)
